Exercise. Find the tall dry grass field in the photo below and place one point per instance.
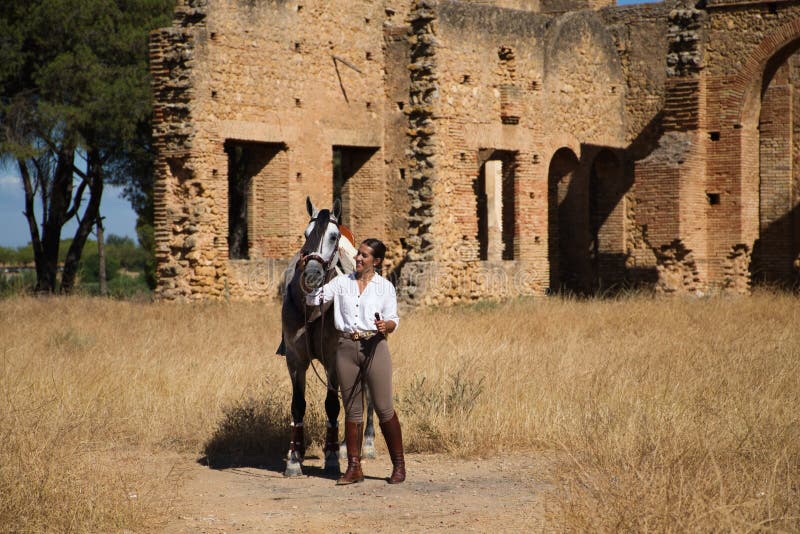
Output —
(661, 414)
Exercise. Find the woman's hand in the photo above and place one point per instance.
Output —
(385, 327)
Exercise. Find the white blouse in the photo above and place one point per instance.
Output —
(353, 312)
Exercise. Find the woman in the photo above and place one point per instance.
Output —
(365, 310)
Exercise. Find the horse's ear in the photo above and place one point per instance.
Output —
(312, 212)
(337, 210)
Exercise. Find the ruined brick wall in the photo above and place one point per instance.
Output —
(397, 171)
(490, 84)
(669, 182)
(179, 200)
(499, 147)
(302, 77)
(751, 42)
(640, 35)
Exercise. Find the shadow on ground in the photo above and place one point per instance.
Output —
(251, 433)
(255, 433)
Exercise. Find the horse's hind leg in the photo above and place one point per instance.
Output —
(368, 451)
(331, 450)
(368, 447)
(297, 445)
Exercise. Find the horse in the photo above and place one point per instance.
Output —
(309, 333)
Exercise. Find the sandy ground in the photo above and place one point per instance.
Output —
(440, 494)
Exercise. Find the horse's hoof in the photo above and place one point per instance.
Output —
(293, 470)
(332, 462)
(333, 468)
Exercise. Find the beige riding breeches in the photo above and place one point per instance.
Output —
(354, 366)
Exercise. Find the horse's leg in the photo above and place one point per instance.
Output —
(368, 450)
(332, 408)
(297, 445)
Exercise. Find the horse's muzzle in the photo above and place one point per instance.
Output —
(314, 274)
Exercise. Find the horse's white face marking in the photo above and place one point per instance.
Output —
(326, 248)
(329, 244)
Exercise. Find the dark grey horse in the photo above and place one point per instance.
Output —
(309, 333)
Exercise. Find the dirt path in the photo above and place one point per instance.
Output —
(441, 493)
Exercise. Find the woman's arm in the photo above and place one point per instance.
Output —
(389, 320)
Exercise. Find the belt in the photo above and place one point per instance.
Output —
(356, 336)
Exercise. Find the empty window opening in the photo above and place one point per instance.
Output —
(400, 105)
(353, 184)
(247, 163)
(465, 79)
(297, 103)
(250, 180)
(495, 203)
(714, 136)
(713, 198)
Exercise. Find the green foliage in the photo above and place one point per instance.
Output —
(127, 266)
(17, 284)
(74, 80)
(81, 65)
(121, 253)
(16, 256)
(122, 286)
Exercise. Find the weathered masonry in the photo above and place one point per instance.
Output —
(498, 147)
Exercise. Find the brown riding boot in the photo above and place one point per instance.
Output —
(352, 438)
(394, 442)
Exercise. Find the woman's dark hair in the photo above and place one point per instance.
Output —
(378, 250)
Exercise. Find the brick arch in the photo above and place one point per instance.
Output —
(559, 140)
(747, 84)
(565, 203)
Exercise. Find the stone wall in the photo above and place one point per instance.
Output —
(500, 148)
(291, 81)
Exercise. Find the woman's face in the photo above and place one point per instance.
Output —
(365, 261)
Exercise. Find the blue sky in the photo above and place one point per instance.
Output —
(120, 219)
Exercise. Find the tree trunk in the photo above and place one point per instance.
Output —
(101, 257)
(54, 219)
(94, 176)
(30, 215)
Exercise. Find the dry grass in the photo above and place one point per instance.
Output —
(668, 414)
